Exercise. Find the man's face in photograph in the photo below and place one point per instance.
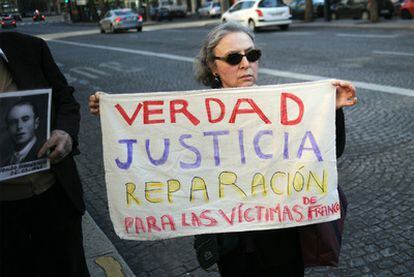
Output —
(22, 124)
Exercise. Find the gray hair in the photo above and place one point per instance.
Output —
(205, 59)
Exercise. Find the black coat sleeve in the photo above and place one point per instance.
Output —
(65, 108)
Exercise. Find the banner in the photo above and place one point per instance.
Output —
(213, 161)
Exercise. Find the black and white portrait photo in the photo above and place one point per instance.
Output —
(24, 126)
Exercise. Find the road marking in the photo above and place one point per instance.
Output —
(110, 266)
(83, 70)
(119, 67)
(68, 34)
(268, 71)
(146, 28)
(393, 53)
(97, 71)
(365, 36)
(131, 51)
(294, 33)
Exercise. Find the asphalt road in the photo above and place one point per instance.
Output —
(376, 171)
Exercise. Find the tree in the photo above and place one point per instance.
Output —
(373, 10)
(102, 8)
(224, 5)
(309, 11)
(92, 10)
(327, 10)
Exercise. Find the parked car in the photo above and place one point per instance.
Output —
(257, 14)
(16, 16)
(210, 9)
(356, 9)
(359, 9)
(160, 13)
(175, 7)
(385, 8)
(297, 8)
(407, 9)
(7, 21)
(120, 19)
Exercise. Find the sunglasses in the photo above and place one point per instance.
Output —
(235, 58)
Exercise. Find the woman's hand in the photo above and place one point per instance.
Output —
(94, 103)
(345, 94)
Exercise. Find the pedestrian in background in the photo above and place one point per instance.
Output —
(229, 58)
(40, 213)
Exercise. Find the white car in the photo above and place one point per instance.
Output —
(211, 9)
(261, 13)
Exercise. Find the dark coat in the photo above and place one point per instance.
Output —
(32, 66)
(31, 155)
(272, 247)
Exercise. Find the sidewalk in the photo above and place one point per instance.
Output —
(101, 255)
(395, 23)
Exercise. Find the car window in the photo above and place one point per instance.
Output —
(119, 13)
(165, 3)
(270, 3)
(237, 7)
(247, 4)
(216, 5)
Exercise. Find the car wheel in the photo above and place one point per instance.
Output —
(102, 30)
(223, 20)
(252, 25)
(284, 27)
(334, 16)
(139, 29)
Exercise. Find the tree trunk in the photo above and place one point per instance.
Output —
(373, 11)
(327, 10)
(309, 11)
(102, 7)
(224, 5)
(93, 12)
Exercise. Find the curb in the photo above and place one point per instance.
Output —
(102, 257)
(396, 24)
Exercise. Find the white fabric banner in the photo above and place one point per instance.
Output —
(212, 161)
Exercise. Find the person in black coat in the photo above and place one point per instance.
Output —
(40, 213)
(229, 58)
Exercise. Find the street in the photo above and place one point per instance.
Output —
(376, 172)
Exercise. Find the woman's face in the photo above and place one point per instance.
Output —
(243, 74)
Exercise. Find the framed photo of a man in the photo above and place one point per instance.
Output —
(24, 128)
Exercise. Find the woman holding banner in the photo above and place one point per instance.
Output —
(229, 58)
